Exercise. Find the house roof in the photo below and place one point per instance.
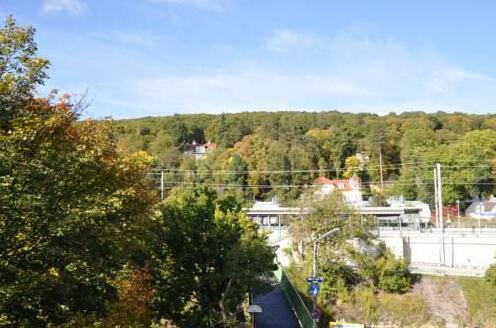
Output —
(324, 181)
(211, 145)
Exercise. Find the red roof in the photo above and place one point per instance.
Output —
(324, 181)
(210, 145)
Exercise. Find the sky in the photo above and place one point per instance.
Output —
(138, 58)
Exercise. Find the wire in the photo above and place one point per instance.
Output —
(265, 172)
(289, 186)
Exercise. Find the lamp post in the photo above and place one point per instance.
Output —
(315, 242)
(315, 281)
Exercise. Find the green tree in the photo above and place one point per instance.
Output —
(72, 209)
(209, 257)
(374, 266)
(21, 70)
(278, 160)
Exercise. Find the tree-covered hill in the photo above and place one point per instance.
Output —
(261, 154)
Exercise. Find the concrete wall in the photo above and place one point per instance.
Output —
(453, 248)
(458, 252)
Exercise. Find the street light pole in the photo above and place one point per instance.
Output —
(327, 234)
(314, 280)
(314, 265)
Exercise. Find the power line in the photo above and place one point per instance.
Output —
(224, 172)
(290, 186)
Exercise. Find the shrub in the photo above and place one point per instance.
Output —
(338, 277)
(491, 274)
(393, 275)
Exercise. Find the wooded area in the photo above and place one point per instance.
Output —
(262, 154)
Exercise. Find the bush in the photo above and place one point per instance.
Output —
(338, 277)
(393, 275)
(491, 274)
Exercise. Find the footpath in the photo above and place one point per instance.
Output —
(277, 311)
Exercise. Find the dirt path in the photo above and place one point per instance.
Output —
(444, 298)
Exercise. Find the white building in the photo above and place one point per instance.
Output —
(485, 209)
(199, 151)
(350, 189)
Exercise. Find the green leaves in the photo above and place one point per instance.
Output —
(21, 71)
(210, 256)
(70, 208)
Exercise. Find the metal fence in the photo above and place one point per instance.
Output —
(296, 301)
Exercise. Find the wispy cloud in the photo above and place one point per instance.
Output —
(346, 72)
(74, 7)
(138, 38)
(289, 40)
(352, 73)
(200, 4)
(446, 79)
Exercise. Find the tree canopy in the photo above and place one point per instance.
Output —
(209, 258)
(285, 151)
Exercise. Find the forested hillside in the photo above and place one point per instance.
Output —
(263, 154)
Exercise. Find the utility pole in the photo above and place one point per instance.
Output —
(162, 184)
(436, 203)
(440, 208)
(440, 195)
(380, 166)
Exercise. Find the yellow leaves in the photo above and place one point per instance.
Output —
(20, 237)
(140, 159)
(53, 272)
(352, 165)
(319, 134)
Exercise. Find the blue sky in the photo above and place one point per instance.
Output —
(160, 57)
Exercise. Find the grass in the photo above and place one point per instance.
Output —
(481, 299)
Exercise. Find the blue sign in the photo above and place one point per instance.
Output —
(314, 289)
(311, 280)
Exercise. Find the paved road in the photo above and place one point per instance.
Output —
(277, 312)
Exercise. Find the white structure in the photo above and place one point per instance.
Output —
(349, 188)
(452, 251)
(199, 151)
(398, 213)
(482, 209)
(272, 216)
(363, 159)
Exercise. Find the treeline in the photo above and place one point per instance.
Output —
(281, 153)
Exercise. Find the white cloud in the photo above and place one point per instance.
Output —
(287, 40)
(139, 38)
(200, 4)
(445, 80)
(74, 7)
(343, 72)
